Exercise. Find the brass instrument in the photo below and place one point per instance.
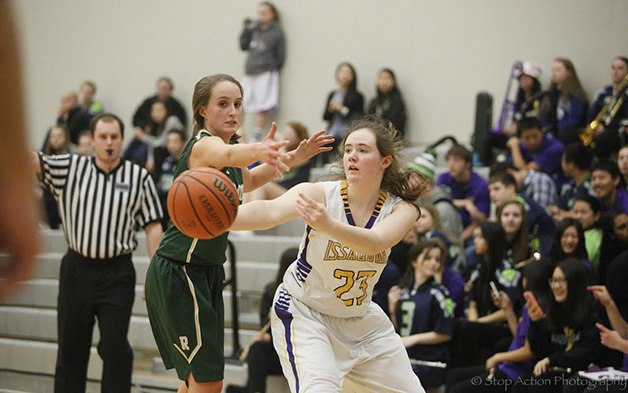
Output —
(535, 257)
(606, 114)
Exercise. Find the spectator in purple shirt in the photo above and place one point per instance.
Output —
(469, 190)
(605, 181)
(531, 149)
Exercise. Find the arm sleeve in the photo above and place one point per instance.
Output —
(354, 100)
(442, 313)
(245, 38)
(539, 339)
(54, 171)
(150, 206)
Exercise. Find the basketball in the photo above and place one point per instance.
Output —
(202, 203)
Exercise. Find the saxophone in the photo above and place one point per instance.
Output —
(606, 114)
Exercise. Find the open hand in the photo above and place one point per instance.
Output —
(313, 213)
(308, 148)
(271, 151)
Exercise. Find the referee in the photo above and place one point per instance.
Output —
(102, 200)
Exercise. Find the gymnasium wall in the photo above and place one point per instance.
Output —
(443, 52)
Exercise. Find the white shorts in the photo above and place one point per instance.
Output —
(261, 92)
(319, 353)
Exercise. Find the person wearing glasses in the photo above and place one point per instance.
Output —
(562, 333)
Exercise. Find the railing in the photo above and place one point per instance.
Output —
(232, 282)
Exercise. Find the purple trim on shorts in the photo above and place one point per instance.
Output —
(281, 308)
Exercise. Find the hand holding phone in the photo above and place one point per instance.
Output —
(494, 290)
(534, 308)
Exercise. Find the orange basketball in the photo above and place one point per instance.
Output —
(203, 203)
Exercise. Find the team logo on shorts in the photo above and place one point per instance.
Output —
(184, 343)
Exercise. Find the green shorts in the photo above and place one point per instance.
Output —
(186, 314)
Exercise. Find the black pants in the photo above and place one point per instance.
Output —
(263, 361)
(90, 290)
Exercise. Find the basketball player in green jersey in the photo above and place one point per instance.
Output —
(184, 281)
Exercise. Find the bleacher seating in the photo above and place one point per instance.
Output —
(28, 328)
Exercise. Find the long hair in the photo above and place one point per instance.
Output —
(397, 178)
(556, 251)
(493, 233)
(202, 93)
(577, 309)
(273, 9)
(536, 276)
(519, 245)
(413, 254)
(395, 89)
(572, 86)
(354, 83)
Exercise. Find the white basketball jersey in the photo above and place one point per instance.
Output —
(328, 276)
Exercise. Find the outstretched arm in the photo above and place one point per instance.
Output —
(380, 237)
(265, 214)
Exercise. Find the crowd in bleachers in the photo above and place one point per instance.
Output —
(551, 220)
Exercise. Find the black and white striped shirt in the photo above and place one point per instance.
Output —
(100, 211)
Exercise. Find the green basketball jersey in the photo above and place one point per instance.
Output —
(178, 247)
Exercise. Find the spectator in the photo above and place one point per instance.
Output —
(265, 44)
(605, 182)
(426, 228)
(88, 104)
(614, 241)
(537, 186)
(563, 111)
(149, 143)
(388, 103)
(475, 338)
(84, 146)
(610, 338)
(164, 88)
(439, 196)
(97, 279)
(576, 163)
(422, 311)
(566, 337)
(344, 104)
(531, 149)
(607, 140)
(526, 104)
(295, 132)
(72, 117)
(262, 358)
(469, 190)
(569, 242)
(503, 187)
(164, 171)
(512, 216)
(514, 363)
(586, 209)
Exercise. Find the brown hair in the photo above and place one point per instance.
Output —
(299, 128)
(106, 118)
(396, 179)
(415, 251)
(272, 8)
(202, 93)
(572, 86)
(520, 243)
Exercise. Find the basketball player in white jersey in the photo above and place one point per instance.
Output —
(325, 327)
